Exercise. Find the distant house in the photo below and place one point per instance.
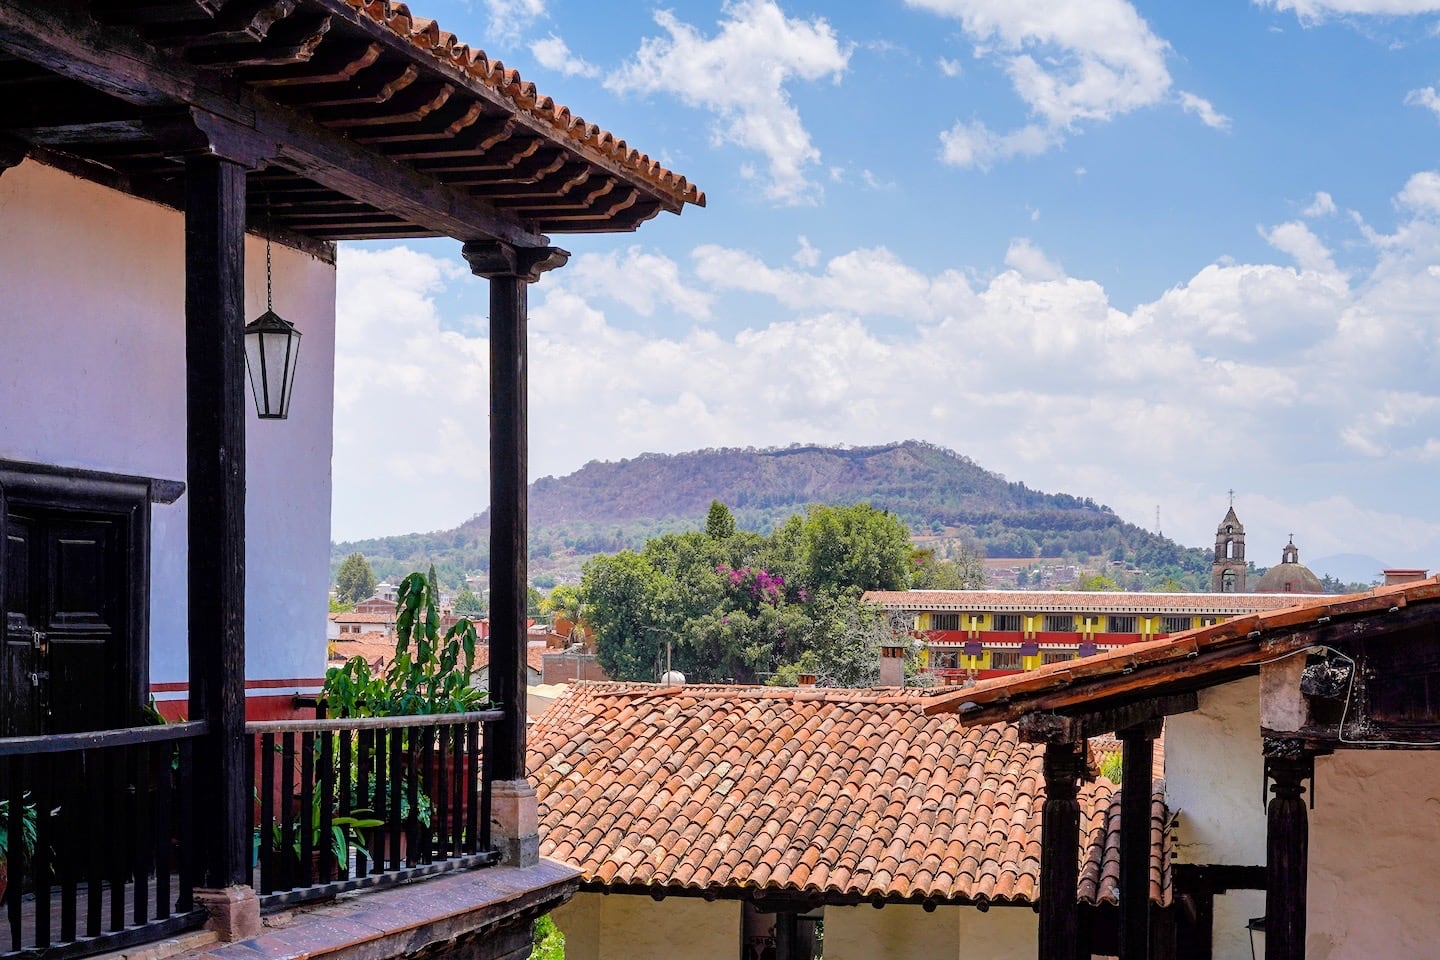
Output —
(534, 664)
(352, 623)
(734, 821)
(376, 604)
(1330, 708)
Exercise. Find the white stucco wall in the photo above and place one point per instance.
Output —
(579, 920)
(1375, 857)
(1213, 770)
(92, 374)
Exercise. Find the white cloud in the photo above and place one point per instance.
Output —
(949, 67)
(509, 18)
(553, 53)
(1422, 193)
(974, 145)
(1322, 206)
(741, 75)
(642, 281)
(1313, 11)
(807, 255)
(1031, 261)
(1311, 387)
(1424, 97)
(1302, 245)
(1203, 109)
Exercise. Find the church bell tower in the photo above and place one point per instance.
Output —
(1227, 572)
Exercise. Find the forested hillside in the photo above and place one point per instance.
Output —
(609, 506)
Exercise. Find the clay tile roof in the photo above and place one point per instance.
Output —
(350, 616)
(376, 647)
(841, 794)
(1186, 660)
(427, 36)
(535, 651)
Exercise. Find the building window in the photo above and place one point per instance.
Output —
(1006, 622)
(1121, 625)
(944, 621)
(1006, 660)
(944, 659)
(1175, 624)
(1059, 623)
(1056, 656)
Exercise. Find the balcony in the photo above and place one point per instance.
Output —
(338, 805)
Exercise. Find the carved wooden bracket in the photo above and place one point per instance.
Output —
(493, 258)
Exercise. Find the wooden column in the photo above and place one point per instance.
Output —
(215, 467)
(1136, 792)
(1060, 852)
(509, 269)
(1287, 849)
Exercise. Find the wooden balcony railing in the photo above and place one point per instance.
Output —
(350, 803)
(112, 816)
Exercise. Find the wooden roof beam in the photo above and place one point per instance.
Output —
(296, 43)
(333, 63)
(61, 36)
(375, 85)
(1039, 727)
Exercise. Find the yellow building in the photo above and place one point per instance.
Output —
(974, 634)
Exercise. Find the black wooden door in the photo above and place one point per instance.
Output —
(66, 659)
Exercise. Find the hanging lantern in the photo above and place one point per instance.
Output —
(272, 345)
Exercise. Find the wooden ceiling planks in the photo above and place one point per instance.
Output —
(321, 64)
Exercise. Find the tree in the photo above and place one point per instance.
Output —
(354, 581)
(966, 572)
(719, 523)
(619, 593)
(467, 602)
(1096, 582)
(855, 547)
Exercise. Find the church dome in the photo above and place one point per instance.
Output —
(1289, 575)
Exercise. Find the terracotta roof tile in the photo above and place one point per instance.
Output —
(841, 792)
(427, 36)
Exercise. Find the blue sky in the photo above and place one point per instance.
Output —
(1142, 252)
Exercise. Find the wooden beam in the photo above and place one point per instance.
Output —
(296, 43)
(334, 63)
(215, 470)
(1041, 727)
(60, 37)
(377, 86)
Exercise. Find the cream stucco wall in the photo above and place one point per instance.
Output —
(1375, 856)
(1213, 769)
(630, 927)
(92, 374)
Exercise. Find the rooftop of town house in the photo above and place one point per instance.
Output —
(1078, 601)
(846, 795)
(1190, 659)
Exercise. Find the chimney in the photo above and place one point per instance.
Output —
(1392, 577)
(892, 665)
(806, 679)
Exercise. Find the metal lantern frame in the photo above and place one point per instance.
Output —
(272, 347)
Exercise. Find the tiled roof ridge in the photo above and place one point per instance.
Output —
(444, 46)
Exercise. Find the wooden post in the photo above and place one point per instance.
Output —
(509, 269)
(1136, 790)
(215, 468)
(1287, 848)
(1060, 852)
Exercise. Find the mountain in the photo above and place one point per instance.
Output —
(947, 500)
